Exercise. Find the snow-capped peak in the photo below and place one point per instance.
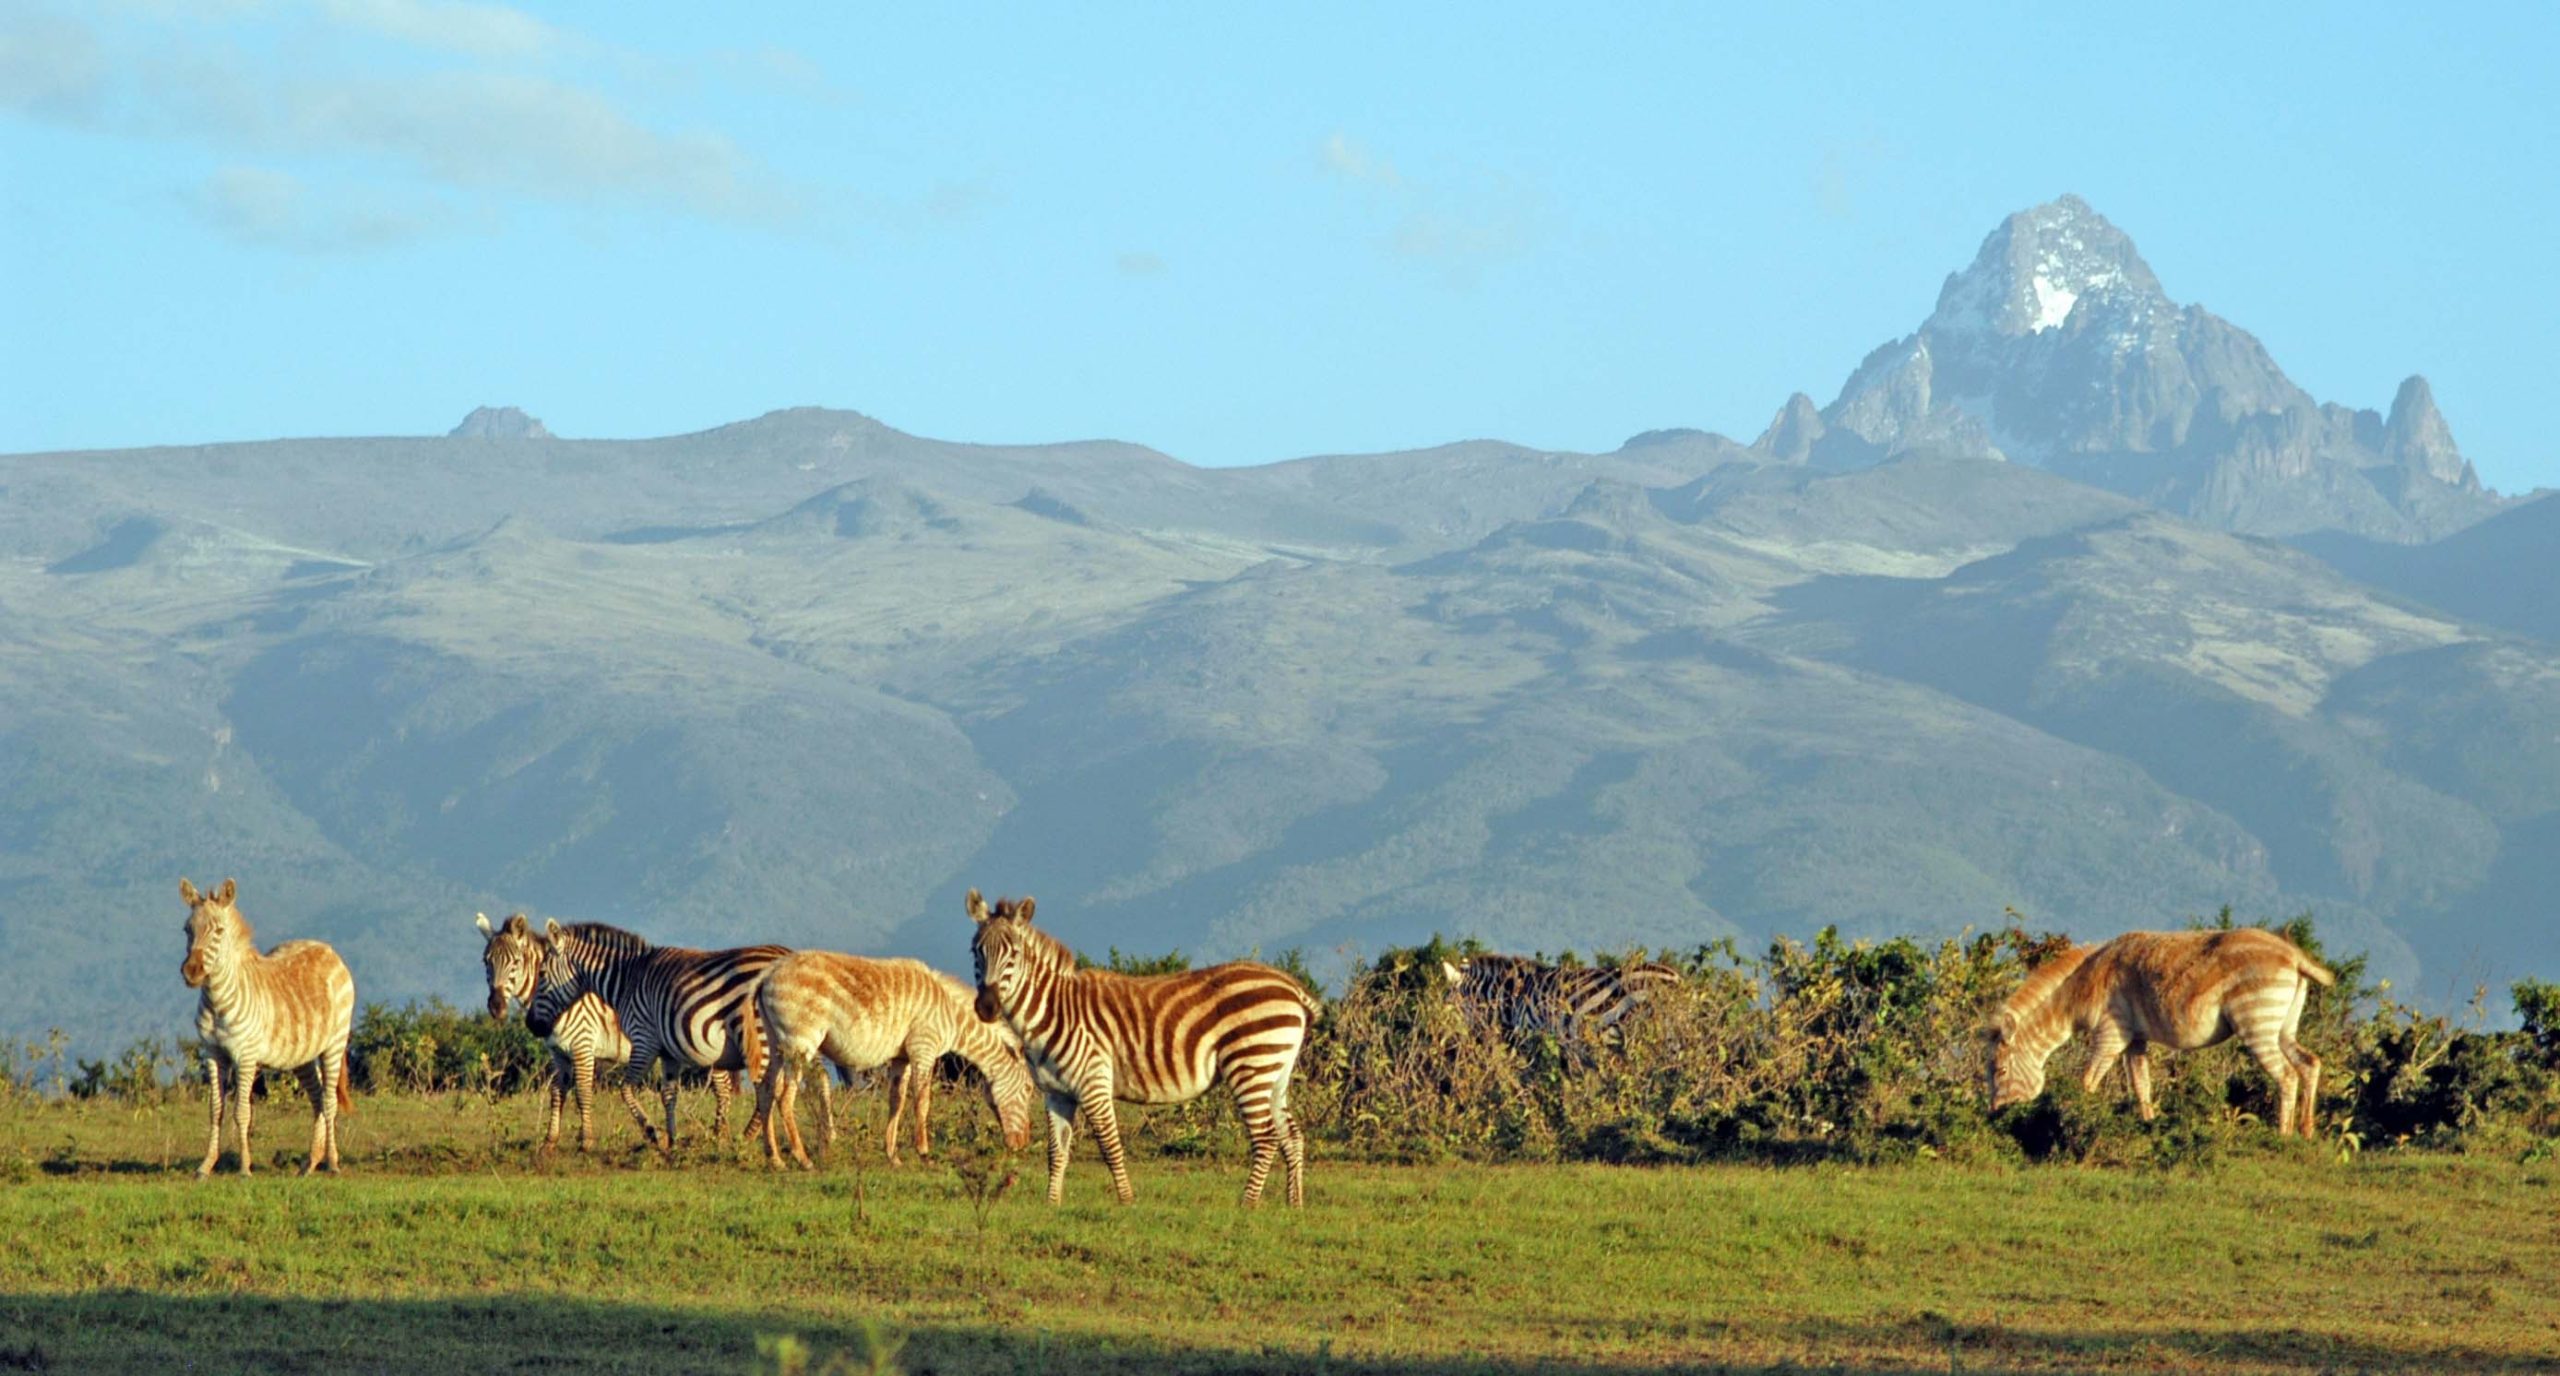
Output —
(2036, 268)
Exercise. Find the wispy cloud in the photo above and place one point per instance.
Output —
(476, 30)
(390, 108)
(267, 208)
(1353, 163)
(1457, 220)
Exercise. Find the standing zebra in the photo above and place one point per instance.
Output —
(2179, 990)
(862, 1014)
(291, 1008)
(1094, 1036)
(679, 1007)
(1524, 998)
(581, 1031)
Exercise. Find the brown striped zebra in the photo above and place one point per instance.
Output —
(1094, 1037)
(2177, 991)
(862, 1014)
(290, 1009)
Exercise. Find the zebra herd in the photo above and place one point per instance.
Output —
(606, 999)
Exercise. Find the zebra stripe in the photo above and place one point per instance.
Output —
(679, 1007)
(2175, 990)
(1524, 998)
(292, 1008)
(1094, 1037)
(863, 1014)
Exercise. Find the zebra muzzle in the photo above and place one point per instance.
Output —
(986, 1005)
(192, 971)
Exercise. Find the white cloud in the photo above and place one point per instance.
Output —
(51, 68)
(1351, 162)
(454, 26)
(267, 208)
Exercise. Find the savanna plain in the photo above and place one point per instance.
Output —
(451, 1244)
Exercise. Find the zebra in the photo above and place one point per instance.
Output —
(583, 1036)
(1094, 1036)
(292, 1008)
(861, 1014)
(2178, 990)
(1524, 998)
(679, 1007)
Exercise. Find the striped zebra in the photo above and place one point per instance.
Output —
(2173, 990)
(1093, 1037)
(1524, 998)
(863, 1014)
(291, 1009)
(679, 1007)
(581, 1032)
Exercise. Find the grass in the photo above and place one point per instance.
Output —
(447, 1247)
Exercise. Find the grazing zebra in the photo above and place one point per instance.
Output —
(862, 1014)
(1524, 998)
(679, 1007)
(291, 1009)
(583, 1036)
(1094, 1036)
(2175, 990)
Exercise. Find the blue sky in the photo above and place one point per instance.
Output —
(1236, 238)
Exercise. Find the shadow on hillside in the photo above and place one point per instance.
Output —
(130, 1330)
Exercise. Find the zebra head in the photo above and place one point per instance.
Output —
(2009, 1077)
(215, 931)
(553, 982)
(1006, 952)
(511, 957)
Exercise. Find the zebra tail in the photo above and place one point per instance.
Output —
(346, 1101)
(2314, 971)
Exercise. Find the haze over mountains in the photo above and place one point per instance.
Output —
(2002, 625)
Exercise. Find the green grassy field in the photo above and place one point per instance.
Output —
(446, 1247)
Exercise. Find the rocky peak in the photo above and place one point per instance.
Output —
(2417, 438)
(2035, 269)
(499, 423)
(1793, 433)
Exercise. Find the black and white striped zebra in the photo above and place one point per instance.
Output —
(1520, 998)
(1094, 1037)
(680, 1007)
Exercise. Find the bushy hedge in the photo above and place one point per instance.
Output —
(1872, 1051)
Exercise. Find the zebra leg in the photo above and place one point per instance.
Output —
(900, 1070)
(1103, 1117)
(554, 1092)
(2266, 1046)
(2106, 1047)
(244, 1084)
(631, 1101)
(1062, 1137)
(215, 1072)
(724, 1086)
(2137, 1066)
(2307, 1066)
(582, 1071)
(763, 1121)
(791, 1073)
(826, 1107)
(336, 1078)
(924, 1107)
(315, 1084)
(1293, 1154)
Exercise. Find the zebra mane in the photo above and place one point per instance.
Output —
(2043, 984)
(605, 939)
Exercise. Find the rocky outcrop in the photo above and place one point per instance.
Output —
(499, 423)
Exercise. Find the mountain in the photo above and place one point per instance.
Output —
(1960, 642)
(2059, 347)
(2499, 572)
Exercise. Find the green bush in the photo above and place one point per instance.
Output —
(432, 1047)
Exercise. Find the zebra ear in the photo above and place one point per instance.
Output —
(484, 925)
(187, 891)
(230, 889)
(977, 906)
(1023, 909)
(1456, 974)
(516, 923)
(551, 928)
